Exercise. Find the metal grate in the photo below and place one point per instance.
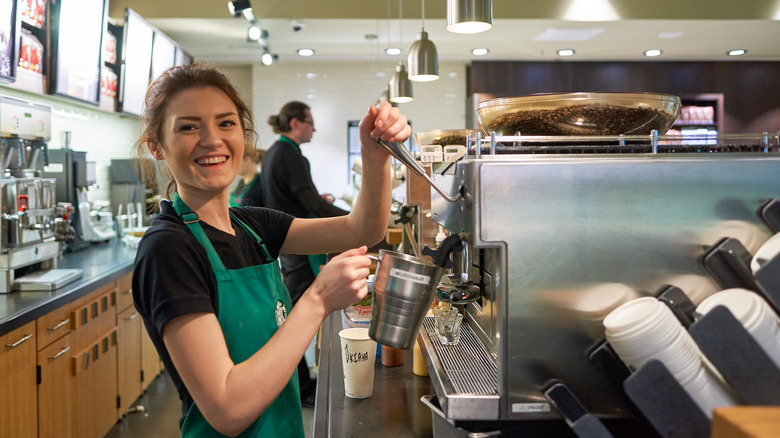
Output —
(468, 365)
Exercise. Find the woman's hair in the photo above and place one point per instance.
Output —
(291, 110)
(255, 154)
(176, 80)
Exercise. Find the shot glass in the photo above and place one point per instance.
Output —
(440, 311)
(448, 325)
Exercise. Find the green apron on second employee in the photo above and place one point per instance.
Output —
(253, 303)
(236, 198)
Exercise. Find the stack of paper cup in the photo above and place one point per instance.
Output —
(755, 314)
(594, 304)
(645, 329)
(765, 253)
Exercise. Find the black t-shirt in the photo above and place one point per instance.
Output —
(173, 276)
(287, 185)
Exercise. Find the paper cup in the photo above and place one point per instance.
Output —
(358, 353)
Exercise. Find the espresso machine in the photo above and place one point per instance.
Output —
(74, 175)
(33, 225)
(555, 234)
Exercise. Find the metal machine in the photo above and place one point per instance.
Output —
(32, 222)
(548, 220)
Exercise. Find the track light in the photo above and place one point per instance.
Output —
(254, 33)
(267, 58)
(238, 7)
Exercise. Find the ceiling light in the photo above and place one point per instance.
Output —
(737, 52)
(254, 33)
(305, 52)
(479, 51)
(652, 52)
(469, 16)
(400, 86)
(393, 51)
(237, 7)
(267, 58)
(423, 59)
(565, 52)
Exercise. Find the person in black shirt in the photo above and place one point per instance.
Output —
(287, 186)
(206, 280)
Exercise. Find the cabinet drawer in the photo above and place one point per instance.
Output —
(124, 291)
(53, 326)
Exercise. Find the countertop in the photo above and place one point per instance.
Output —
(394, 408)
(101, 263)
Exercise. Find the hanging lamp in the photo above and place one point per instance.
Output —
(400, 86)
(423, 59)
(469, 16)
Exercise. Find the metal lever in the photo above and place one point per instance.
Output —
(398, 151)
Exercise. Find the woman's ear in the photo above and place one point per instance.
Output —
(154, 149)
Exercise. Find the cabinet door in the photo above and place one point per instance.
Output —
(124, 290)
(54, 408)
(18, 403)
(53, 325)
(94, 388)
(129, 329)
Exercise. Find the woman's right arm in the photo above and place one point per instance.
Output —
(232, 396)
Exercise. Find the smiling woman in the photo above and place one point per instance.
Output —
(207, 281)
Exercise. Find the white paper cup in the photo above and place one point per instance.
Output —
(358, 353)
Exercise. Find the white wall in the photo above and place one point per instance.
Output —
(341, 91)
(336, 91)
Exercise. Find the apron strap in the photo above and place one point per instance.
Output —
(190, 219)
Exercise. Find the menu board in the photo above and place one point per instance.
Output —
(137, 62)
(163, 54)
(77, 28)
(9, 40)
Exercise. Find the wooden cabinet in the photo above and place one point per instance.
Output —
(54, 389)
(129, 329)
(18, 403)
(93, 360)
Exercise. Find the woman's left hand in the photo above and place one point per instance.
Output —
(384, 122)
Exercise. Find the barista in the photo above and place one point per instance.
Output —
(248, 191)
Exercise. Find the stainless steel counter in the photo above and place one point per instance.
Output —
(394, 409)
(101, 264)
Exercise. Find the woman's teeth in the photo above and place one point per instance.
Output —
(211, 160)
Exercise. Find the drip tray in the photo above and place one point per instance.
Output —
(47, 280)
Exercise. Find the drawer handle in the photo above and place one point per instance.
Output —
(19, 342)
(133, 316)
(60, 325)
(57, 356)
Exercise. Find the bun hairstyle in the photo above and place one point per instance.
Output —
(291, 110)
(170, 83)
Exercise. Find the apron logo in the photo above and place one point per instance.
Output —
(281, 313)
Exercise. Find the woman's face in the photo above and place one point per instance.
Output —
(202, 141)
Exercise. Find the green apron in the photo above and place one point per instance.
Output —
(253, 303)
(315, 260)
(237, 198)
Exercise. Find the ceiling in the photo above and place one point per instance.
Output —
(362, 29)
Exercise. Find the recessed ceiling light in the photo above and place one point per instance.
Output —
(393, 51)
(480, 51)
(737, 52)
(305, 52)
(670, 35)
(652, 52)
(565, 52)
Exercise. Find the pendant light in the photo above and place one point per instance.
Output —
(423, 59)
(400, 86)
(469, 16)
